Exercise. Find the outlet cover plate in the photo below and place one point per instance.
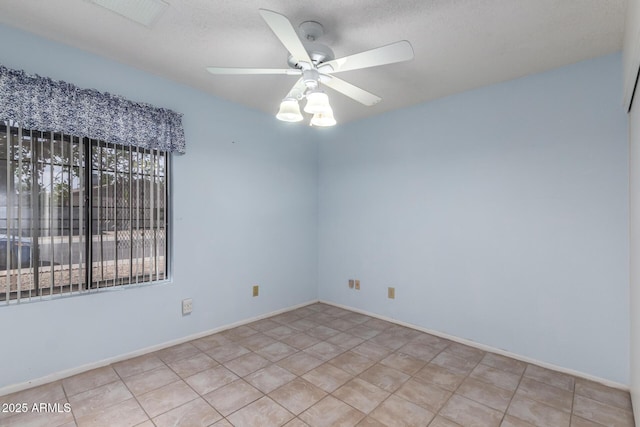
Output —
(187, 306)
(256, 290)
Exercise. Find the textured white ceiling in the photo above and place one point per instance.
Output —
(458, 44)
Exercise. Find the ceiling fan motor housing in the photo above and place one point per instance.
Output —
(316, 63)
(310, 31)
(318, 53)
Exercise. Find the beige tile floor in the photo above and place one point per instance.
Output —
(323, 366)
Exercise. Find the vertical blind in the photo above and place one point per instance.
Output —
(83, 187)
(128, 215)
(78, 214)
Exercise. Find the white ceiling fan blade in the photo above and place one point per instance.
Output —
(288, 36)
(249, 71)
(389, 54)
(354, 92)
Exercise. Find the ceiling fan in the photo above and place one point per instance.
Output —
(315, 63)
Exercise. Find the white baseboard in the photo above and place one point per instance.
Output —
(105, 362)
(80, 369)
(488, 348)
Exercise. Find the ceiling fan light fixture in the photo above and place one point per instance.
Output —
(289, 111)
(317, 103)
(316, 63)
(323, 119)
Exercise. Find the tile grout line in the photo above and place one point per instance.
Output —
(66, 396)
(321, 318)
(521, 376)
(453, 393)
(242, 378)
(131, 391)
(377, 362)
(119, 379)
(515, 390)
(436, 413)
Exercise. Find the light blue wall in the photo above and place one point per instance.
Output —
(245, 212)
(500, 215)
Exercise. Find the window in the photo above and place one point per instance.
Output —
(83, 188)
(78, 214)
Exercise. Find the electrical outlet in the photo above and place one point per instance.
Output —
(357, 284)
(187, 306)
(256, 290)
(351, 284)
(391, 293)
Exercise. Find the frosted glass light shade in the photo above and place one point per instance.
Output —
(323, 120)
(289, 111)
(317, 103)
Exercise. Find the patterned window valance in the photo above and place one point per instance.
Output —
(43, 104)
